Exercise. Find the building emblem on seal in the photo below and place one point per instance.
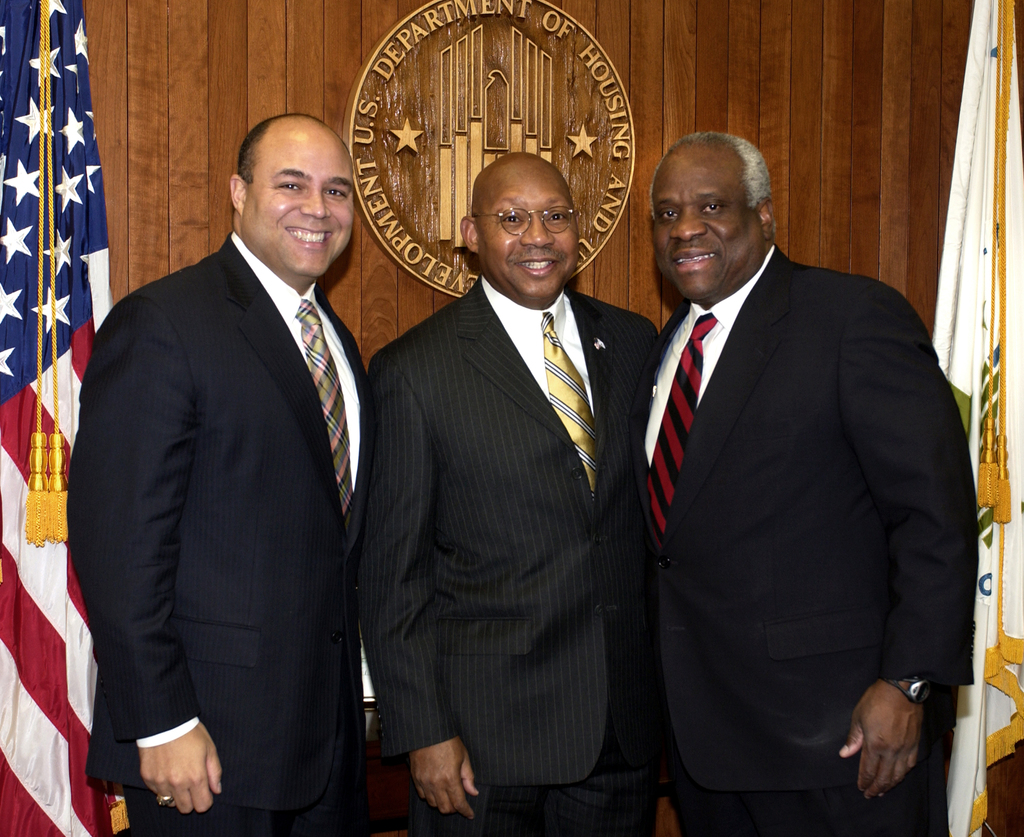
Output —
(454, 86)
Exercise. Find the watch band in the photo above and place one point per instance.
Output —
(916, 690)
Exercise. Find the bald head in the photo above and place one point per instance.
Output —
(512, 169)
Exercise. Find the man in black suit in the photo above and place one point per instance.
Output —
(217, 489)
(502, 581)
(812, 521)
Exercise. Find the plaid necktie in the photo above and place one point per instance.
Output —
(569, 398)
(325, 376)
(675, 425)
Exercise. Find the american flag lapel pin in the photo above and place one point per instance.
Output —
(598, 343)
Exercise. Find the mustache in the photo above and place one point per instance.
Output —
(529, 253)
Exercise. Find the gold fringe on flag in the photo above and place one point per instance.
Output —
(119, 816)
(46, 506)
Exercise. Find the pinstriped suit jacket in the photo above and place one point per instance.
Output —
(502, 603)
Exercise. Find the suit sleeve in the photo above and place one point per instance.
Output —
(900, 416)
(128, 479)
(397, 583)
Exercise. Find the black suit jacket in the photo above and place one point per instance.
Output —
(206, 528)
(501, 602)
(823, 531)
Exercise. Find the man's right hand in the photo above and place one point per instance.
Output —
(186, 768)
(442, 776)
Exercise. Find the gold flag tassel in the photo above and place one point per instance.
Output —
(46, 508)
(987, 470)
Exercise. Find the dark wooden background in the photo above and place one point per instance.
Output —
(853, 102)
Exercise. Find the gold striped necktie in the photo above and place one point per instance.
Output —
(569, 398)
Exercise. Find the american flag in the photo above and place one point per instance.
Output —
(47, 668)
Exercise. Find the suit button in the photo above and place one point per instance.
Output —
(577, 473)
(664, 562)
(336, 637)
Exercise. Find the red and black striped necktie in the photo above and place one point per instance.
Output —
(675, 425)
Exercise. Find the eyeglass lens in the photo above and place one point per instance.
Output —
(516, 221)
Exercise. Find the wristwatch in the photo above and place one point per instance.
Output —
(916, 689)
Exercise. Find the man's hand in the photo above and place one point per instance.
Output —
(885, 729)
(442, 776)
(186, 768)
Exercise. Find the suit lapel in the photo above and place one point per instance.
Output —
(262, 326)
(751, 343)
(487, 347)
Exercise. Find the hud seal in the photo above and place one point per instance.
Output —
(454, 86)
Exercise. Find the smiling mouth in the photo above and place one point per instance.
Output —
(309, 237)
(692, 259)
(536, 265)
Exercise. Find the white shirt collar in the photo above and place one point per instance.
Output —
(520, 319)
(285, 298)
(727, 310)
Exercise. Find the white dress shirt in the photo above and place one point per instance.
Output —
(287, 299)
(726, 311)
(523, 325)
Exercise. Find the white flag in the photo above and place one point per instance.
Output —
(990, 714)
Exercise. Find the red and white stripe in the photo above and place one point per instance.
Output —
(47, 667)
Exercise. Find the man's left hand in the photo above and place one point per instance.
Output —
(885, 730)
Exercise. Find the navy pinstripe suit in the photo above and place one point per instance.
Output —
(501, 603)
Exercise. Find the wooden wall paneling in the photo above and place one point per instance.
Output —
(379, 275)
(304, 62)
(415, 299)
(1005, 800)
(836, 133)
(925, 142)
(744, 68)
(342, 54)
(106, 24)
(868, 27)
(805, 151)
(646, 83)
(712, 66)
(894, 195)
(956, 25)
(227, 117)
(585, 13)
(680, 98)
(267, 59)
(188, 136)
(148, 224)
(776, 72)
(611, 267)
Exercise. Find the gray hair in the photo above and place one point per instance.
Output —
(756, 183)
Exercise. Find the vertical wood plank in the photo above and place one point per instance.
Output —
(776, 70)
(956, 26)
(415, 299)
(342, 55)
(611, 267)
(712, 73)
(188, 148)
(744, 68)
(646, 80)
(267, 59)
(805, 121)
(894, 195)
(680, 103)
(837, 134)
(867, 136)
(106, 24)
(148, 227)
(379, 275)
(585, 13)
(304, 62)
(228, 119)
(925, 142)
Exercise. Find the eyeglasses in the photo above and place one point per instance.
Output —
(516, 221)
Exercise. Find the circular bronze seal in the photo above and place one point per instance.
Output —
(457, 84)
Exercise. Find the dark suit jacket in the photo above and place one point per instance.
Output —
(500, 602)
(823, 532)
(206, 528)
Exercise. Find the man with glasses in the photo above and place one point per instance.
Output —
(502, 580)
